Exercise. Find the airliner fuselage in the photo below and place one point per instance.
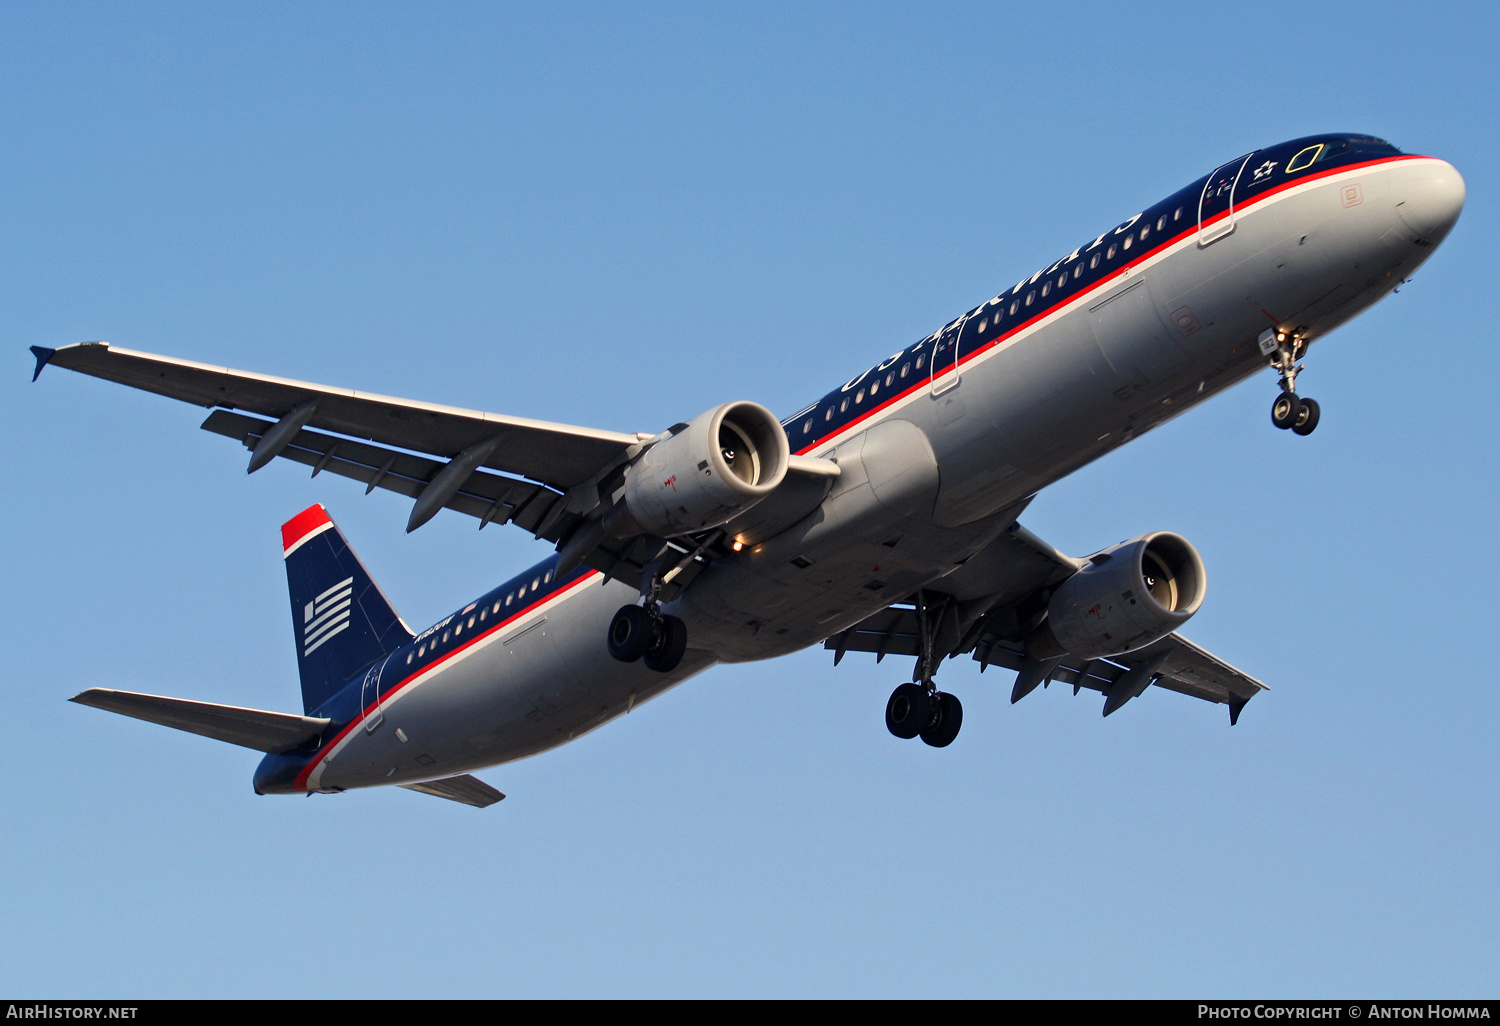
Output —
(937, 444)
(920, 466)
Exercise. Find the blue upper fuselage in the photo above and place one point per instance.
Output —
(1032, 298)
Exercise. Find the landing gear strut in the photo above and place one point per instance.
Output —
(1283, 350)
(919, 709)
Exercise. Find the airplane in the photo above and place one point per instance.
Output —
(882, 518)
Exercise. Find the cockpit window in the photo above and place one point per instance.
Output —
(1304, 158)
(1352, 145)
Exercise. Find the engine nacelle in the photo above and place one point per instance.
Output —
(719, 465)
(1126, 597)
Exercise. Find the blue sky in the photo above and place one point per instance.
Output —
(619, 215)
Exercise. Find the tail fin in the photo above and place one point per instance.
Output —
(342, 620)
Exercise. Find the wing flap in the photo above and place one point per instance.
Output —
(250, 728)
(558, 454)
(1191, 670)
(466, 789)
(492, 498)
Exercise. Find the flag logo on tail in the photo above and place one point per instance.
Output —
(326, 615)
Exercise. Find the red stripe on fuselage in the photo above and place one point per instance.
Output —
(306, 771)
(1189, 230)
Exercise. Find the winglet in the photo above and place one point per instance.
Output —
(1234, 711)
(43, 355)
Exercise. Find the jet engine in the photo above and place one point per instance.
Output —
(712, 469)
(1125, 598)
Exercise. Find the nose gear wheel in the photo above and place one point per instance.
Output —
(1283, 351)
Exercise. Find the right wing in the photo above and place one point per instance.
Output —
(549, 479)
(558, 455)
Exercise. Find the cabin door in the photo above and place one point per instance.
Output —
(944, 366)
(1216, 204)
(370, 695)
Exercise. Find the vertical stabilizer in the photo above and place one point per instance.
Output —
(342, 620)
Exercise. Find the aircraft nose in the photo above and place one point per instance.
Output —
(1429, 196)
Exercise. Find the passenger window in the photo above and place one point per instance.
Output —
(458, 628)
(1046, 288)
(547, 576)
(859, 396)
(1015, 305)
(829, 414)
(408, 658)
(844, 406)
(1062, 279)
(1093, 261)
(1304, 158)
(471, 621)
(904, 368)
(535, 581)
(1030, 296)
(920, 360)
(497, 607)
(889, 378)
(875, 386)
(983, 323)
(482, 614)
(1161, 222)
(1145, 232)
(1110, 254)
(1128, 240)
(808, 426)
(445, 637)
(421, 650)
(1177, 214)
(1077, 270)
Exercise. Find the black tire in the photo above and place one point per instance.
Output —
(909, 711)
(668, 643)
(1285, 410)
(1308, 420)
(629, 634)
(948, 718)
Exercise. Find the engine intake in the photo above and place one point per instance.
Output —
(720, 464)
(1125, 598)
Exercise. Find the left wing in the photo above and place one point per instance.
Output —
(985, 611)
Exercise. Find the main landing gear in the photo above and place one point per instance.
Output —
(919, 709)
(645, 632)
(635, 633)
(1282, 350)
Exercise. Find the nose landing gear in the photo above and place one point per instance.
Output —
(1282, 350)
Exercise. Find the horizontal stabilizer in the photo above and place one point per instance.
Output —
(464, 788)
(251, 728)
